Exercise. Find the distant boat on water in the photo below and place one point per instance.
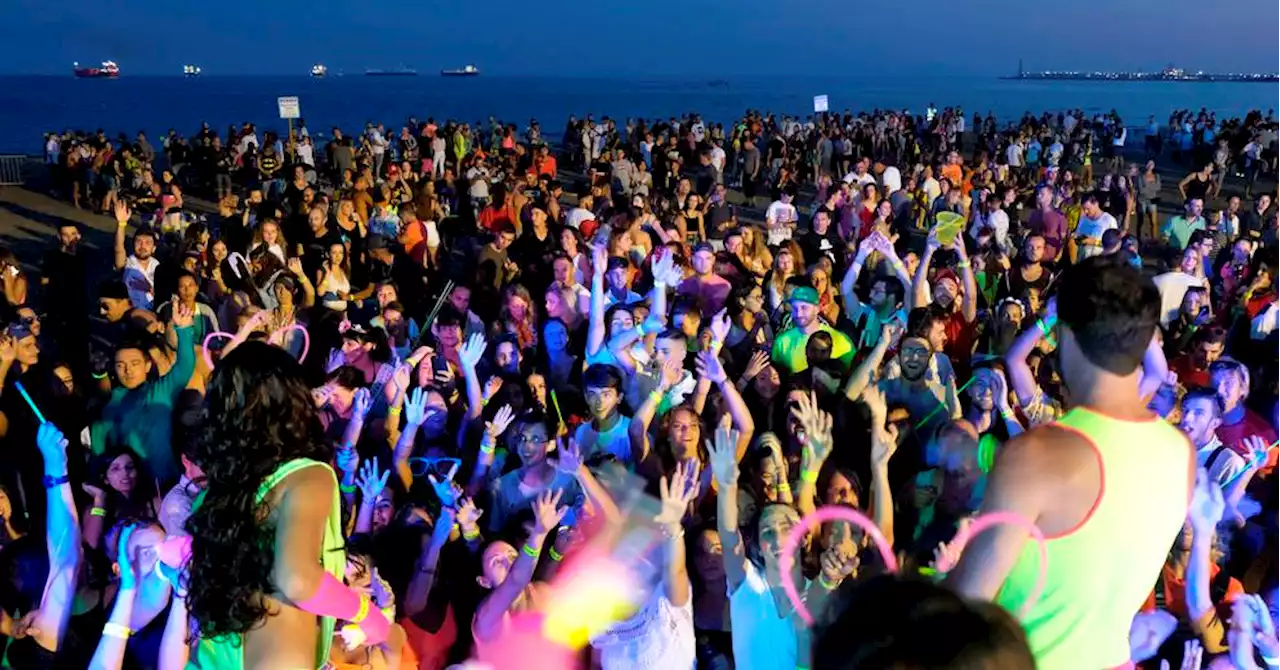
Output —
(397, 72)
(191, 70)
(468, 71)
(319, 71)
(109, 70)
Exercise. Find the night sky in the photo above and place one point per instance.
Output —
(660, 37)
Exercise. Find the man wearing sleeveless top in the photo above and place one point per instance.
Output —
(1108, 484)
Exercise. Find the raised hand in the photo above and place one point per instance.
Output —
(361, 401)
(932, 243)
(415, 408)
(445, 489)
(677, 492)
(547, 512)
(371, 483)
(1206, 503)
(94, 492)
(471, 351)
(8, 352)
(723, 451)
(599, 258)
(122, 212)
(884, 444)
(1051, 309)
(125, 561)
(295, 266)
(1255, 451)
(491, 387)
(53, 447)
(720, 324)
(709, 367)
(873, 397)
(816, 425)
(183, 316)
(662, 268)
(501, 421)
(335, 360)
(346, 459)
(836, 566)
(469, 515)
(759, 361)
(569, 458)
(891, 331)
(1000, 391)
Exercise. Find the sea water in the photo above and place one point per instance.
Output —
(31, 106)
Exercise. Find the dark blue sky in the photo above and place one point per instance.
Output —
(660, 37)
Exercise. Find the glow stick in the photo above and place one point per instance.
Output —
(30, 403)
(555, 402)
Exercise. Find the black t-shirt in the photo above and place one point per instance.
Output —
(67, 292)
(315, 248)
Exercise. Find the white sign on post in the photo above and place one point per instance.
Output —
(289, 108)
(819, 103)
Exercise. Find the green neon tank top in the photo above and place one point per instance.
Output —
(227, 652)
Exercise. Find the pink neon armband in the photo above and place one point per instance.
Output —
(337, 600)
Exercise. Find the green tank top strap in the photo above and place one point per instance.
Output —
(227, 652)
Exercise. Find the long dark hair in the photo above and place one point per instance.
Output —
(258, 415)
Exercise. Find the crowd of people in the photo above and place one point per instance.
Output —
(400, 402)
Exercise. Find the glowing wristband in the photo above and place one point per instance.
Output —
(1008, 414)
(963, 265)
(102, 376)
(362, 612)
(347, 488)
(395, 411)
(784, 488)
(487, 447)
(826, 583)
(809, 476)
(555, 555)
(531, 551)
(122, 224)
(1046, 327)
(117, 631)
(471, 535)
(656, 395)
(97, 511)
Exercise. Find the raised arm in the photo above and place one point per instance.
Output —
(308, 291)
(115, 634)
(884, 442)
(724, 465)
(547, 513)
(469, 355)
(818, 444)
(371, 484)
(174, 650)
(900, 271)
(866, 371)
(493, 431)
(920, 284)
(676, 494)
(1023, 381)
(969, 299)
(1155, 369)
(62, 539)
(851, 303)
(1203, 514)
(710, 368)
(120, 256)
(424, 574)
(595, 325)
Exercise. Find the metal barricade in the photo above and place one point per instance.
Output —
(11, 169)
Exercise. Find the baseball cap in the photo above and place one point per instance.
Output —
(946, 273)
(804, 294)
(376, 242)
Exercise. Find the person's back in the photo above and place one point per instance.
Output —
(1108, 485)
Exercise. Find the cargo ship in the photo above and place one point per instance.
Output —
(191, 70)
(398, 72)
(468, 71)
(319, 71)
(109, 70)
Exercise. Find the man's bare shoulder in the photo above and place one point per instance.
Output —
(1049, 446)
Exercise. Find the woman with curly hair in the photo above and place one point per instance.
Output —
(267, 553)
